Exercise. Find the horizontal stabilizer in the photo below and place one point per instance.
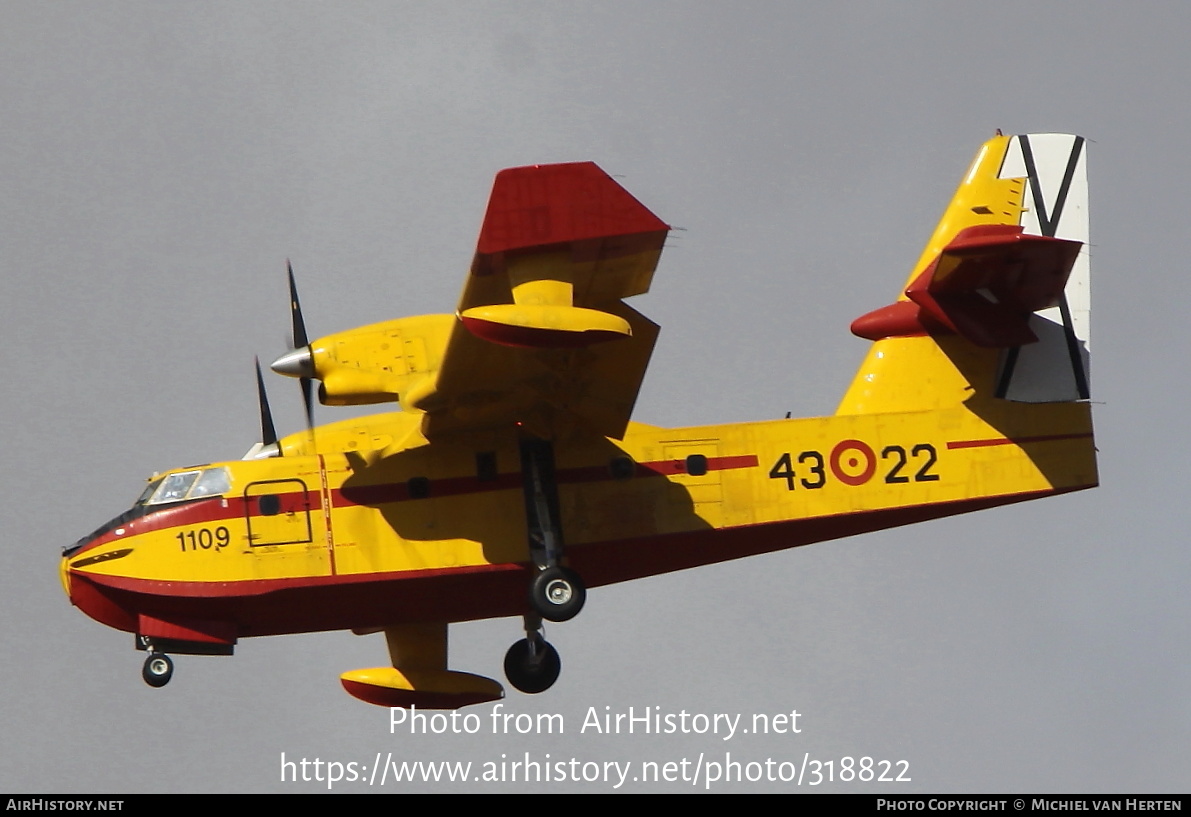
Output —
(990, 278)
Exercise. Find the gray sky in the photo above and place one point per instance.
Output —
(161, 161)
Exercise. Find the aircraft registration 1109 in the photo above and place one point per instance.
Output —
(511, 478)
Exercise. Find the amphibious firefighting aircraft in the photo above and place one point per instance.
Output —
(512, 478)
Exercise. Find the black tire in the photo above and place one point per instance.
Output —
(532, 675)
(158, 669)
(557, 594)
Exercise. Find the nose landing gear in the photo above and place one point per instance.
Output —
(158, 669)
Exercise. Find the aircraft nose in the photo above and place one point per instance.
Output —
(295, 363)
(64, 575)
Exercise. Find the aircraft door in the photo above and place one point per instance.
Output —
(278, 512)
(693, 469)
(693, 462)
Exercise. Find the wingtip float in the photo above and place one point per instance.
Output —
(512, 478)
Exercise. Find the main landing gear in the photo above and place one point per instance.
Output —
(532, 665)
(556, 593)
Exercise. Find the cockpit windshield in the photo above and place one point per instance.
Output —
(186, 485)
(197, 483)
(148, 492)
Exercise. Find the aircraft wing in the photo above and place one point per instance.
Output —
(542, 335)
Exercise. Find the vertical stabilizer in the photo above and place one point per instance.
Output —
(998, 304)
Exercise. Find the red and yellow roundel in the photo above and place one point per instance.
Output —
(853, 462)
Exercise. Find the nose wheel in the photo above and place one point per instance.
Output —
(158, 669)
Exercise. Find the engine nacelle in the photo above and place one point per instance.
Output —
(349, 386)
(371, 364)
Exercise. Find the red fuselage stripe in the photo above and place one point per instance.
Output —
(220, 508)
(205, 511)
(258, 587)
(1016, 440)
(458, 486)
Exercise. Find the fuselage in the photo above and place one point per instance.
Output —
(360, 526)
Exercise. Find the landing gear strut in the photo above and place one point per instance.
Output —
(556, 593)
(532, 665)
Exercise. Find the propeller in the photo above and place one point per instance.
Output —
(299, 361)
(267, 447)
(268, 432)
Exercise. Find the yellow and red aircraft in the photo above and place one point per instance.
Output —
(512, 477)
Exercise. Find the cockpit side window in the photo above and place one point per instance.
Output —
(212, 482)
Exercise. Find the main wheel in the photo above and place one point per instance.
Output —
(532, 673)
(158, 669)
(557, 594)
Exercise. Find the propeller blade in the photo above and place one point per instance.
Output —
(300, 360)
(299, 325)
(308, 400)
(268, 432)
